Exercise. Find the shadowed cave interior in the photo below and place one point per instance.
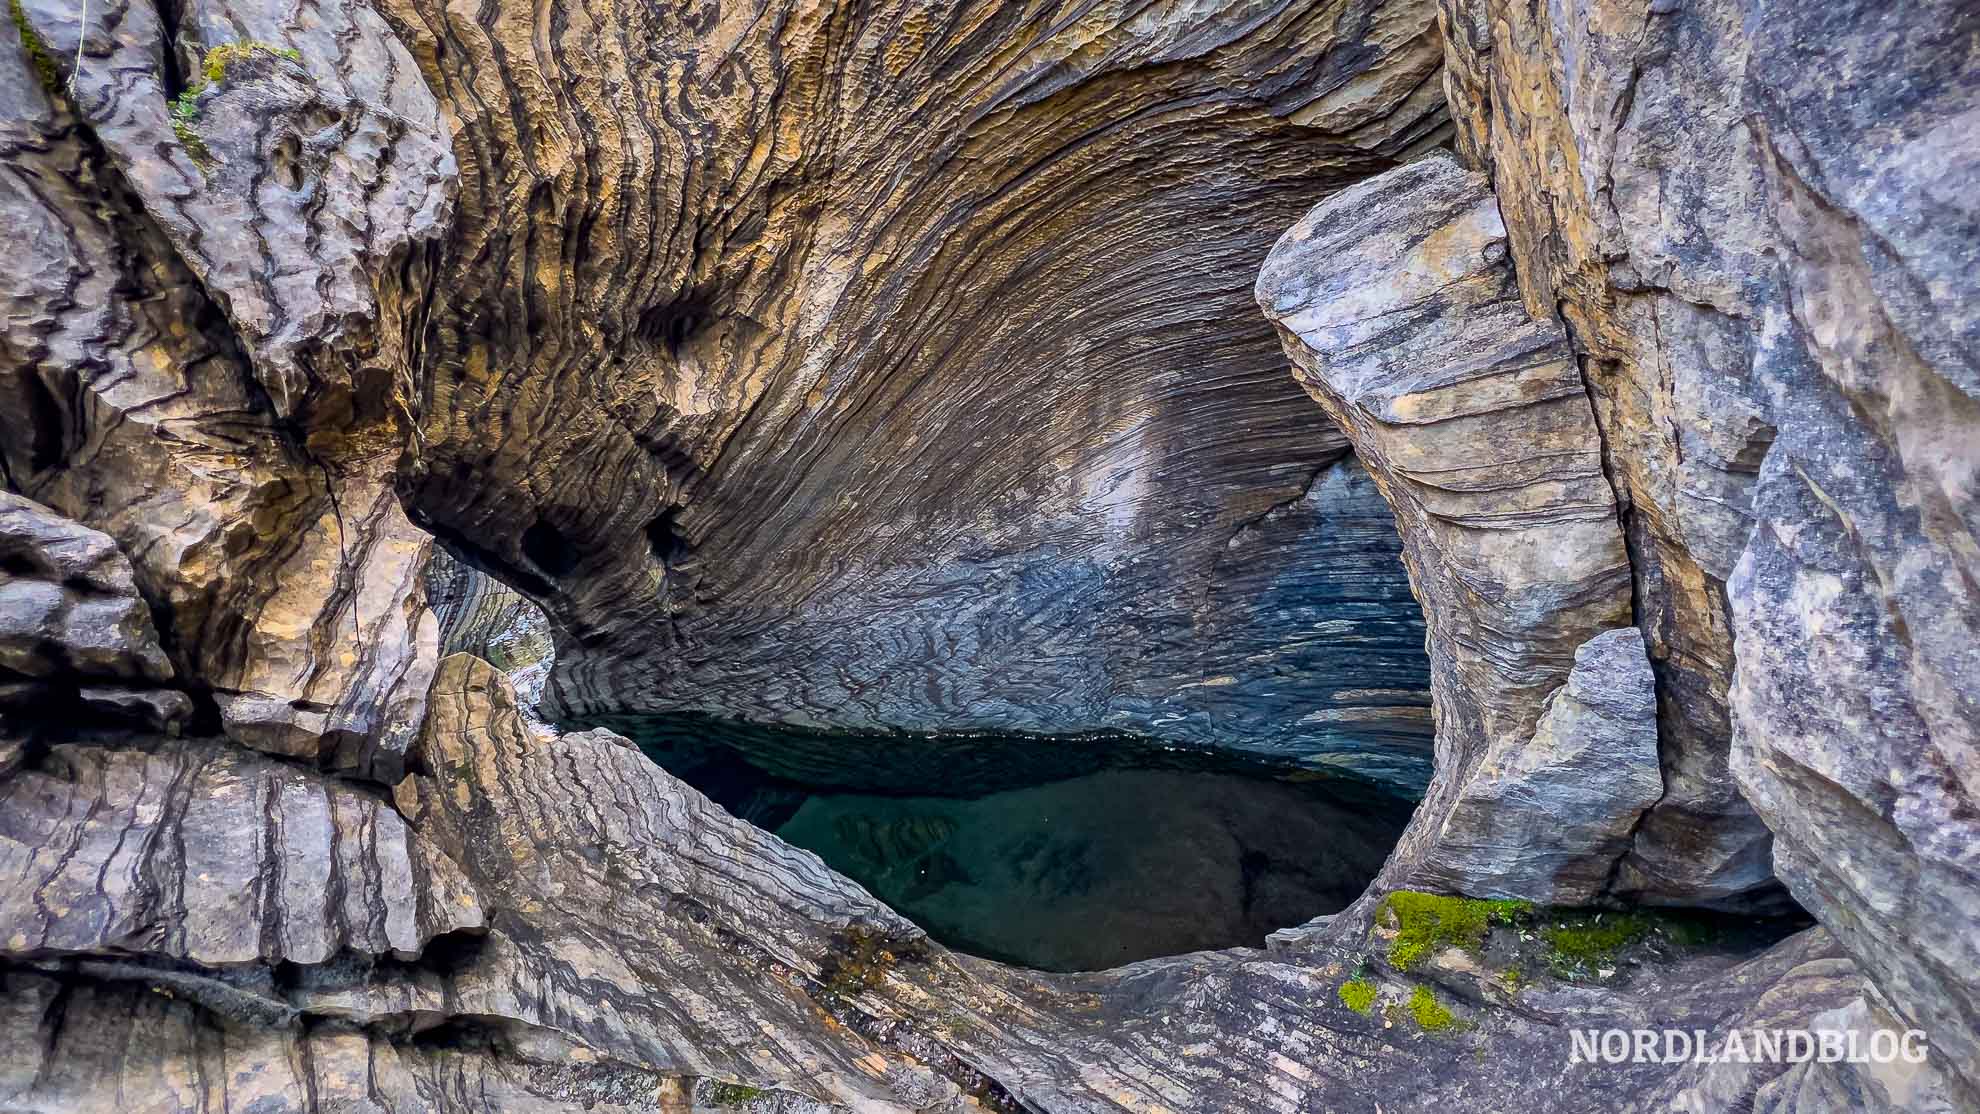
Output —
(1058, 853)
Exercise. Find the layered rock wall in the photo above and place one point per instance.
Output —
(1756, 221)
(897, 367)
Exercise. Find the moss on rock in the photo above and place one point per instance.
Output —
(1426, 922)
(1358, 995)
(1430, 1015)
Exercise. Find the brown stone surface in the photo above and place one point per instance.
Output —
(74, 633)
(201, 353)
(898, 367)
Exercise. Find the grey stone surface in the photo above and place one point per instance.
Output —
(1549, 819)
(75, 635)
(1396, 304)
(1757, 220)
(188, 849)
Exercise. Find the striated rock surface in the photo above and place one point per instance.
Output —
(1548, 820)
(1398, 309)
(894, 365)
(637, 939)
(73, 629)
(201, 346)
(194, 850)
(1756, 220)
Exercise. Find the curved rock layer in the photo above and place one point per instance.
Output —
(202, 340)
(1397, 306)
(637, 938)
(895, 368)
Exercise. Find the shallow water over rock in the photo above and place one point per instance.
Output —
(1061, 854)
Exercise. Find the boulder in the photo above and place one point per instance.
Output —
(1549, 820)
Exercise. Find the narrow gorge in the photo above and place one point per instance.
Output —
(1016, 555)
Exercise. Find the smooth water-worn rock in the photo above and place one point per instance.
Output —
(1398, 308)
(893, 366)
(638, 938)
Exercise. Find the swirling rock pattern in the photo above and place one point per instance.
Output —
(200, 346)
(892, 366)
(1756, 220)
(1398, 309)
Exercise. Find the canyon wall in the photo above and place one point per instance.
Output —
(898, 366)
(1758, 225)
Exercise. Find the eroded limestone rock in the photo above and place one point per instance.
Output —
(1396, 304)
(895, 366)
(203, 344)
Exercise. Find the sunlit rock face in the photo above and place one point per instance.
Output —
(895, 366)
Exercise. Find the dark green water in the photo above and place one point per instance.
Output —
(1056, 853)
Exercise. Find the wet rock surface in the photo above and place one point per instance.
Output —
(1056, 854)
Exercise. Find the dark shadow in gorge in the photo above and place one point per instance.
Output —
(1061, 853)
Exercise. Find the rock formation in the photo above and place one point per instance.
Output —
(1757, 222)
(896, 365)
(900, 371)
(1548, 819)
(73, 629)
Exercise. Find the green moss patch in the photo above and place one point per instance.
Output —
(1592, 941)
(1426, 923)
(37, 50)
(1430, 1015)
(734, 1094)
(1358, 995)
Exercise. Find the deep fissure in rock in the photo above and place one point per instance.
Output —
(1062, 853)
